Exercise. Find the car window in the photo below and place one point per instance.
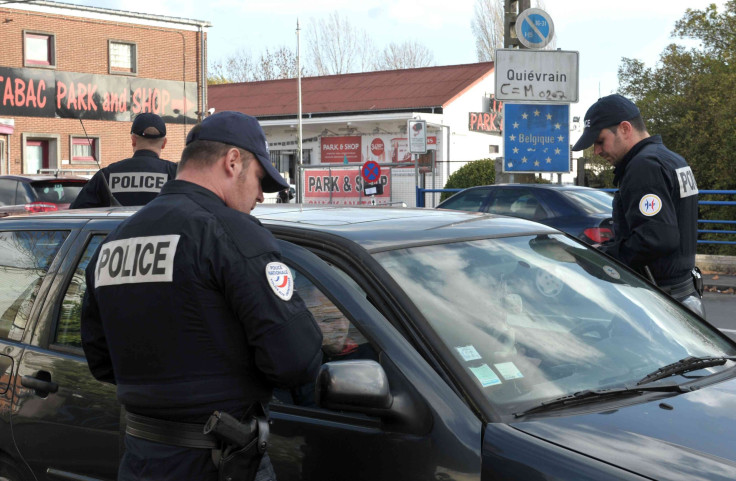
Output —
(533, 318)
(68, 331)
(7, 191)
(591, 201)
(341, 338)
(517, 203)
(25, 257)
(469, 200)
(57, 192)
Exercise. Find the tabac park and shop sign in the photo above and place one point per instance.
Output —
(45, 93)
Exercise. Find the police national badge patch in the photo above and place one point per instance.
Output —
(650, 205)
(280, 279)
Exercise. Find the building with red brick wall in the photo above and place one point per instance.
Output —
(72, 78)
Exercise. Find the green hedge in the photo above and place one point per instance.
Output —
(478, 172)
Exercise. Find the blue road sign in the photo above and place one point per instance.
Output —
(536, 138)
(371, 171)
(534, 28)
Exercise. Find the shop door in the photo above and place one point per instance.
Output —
(37, 155)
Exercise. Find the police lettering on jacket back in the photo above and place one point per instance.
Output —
(136, 260)
(137, 182)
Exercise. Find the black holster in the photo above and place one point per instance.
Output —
(698, 280)
(243, 444)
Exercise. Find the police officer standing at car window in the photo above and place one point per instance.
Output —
(133, 181)
(655, 210)
(190, 310)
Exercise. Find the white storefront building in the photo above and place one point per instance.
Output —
(350, 119)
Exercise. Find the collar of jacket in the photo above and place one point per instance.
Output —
(618, 171)
(184, 187)
(146, 153)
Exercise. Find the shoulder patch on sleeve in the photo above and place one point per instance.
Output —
(650, 205)
(686, 179)
(280, 279)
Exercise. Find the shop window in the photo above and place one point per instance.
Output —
(123, 59)
(84, 149)
(39, 49)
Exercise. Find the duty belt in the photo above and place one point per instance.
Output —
(170, 432)
(680, 290)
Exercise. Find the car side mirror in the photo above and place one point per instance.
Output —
(357, 385)
(362, 386)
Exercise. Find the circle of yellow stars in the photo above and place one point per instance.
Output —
(524, 159)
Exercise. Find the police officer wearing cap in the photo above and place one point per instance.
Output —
(133, 181)
(655, 210)
(190, 308)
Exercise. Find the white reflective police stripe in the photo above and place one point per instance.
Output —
(686, 179)
(137, 182)
(136, 260)
(650, 204)
(280, 279)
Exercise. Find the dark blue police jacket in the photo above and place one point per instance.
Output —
(655, 212)
(133, 181)
(190, 309)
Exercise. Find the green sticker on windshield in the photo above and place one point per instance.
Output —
(485, 375)
(508, 370)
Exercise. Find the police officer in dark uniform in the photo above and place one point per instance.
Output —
(655, 210)
(190, 308)
(133, 181)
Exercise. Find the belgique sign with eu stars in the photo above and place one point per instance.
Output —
(536, 138)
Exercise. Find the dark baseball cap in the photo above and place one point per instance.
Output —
(146, 120)
(244, 131)
(606, 112)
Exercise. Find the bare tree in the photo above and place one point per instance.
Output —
(487, 25)
(410, 54)
(335, 46)
(236, 68)
(240, 67)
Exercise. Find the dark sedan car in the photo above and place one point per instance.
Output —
(457, 347)
(29, 193)
(580, 211)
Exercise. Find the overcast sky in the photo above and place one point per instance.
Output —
(602, 31)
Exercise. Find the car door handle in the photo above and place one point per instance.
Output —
(42, 387)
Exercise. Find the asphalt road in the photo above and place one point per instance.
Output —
(719, 310)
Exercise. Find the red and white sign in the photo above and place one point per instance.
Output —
(336, 149)
(342, 187)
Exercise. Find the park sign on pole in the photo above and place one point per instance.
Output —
(536, 138)
(417, 133)
(547, 76)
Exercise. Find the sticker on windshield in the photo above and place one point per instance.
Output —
(485, 375)
(280, 279)
(650, 205)
(508, 370)
(611, 272)
(468, 353)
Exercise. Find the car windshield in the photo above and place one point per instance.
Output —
(591, 201)
(533, 318)
(57, 192)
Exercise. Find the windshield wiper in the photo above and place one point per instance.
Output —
(582, 397)
(684, 365)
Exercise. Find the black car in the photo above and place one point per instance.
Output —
(457, 346)
(37, 193)
(580, 211)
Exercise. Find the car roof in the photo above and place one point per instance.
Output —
(374, 228)
(541, 186)
(42, 177)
